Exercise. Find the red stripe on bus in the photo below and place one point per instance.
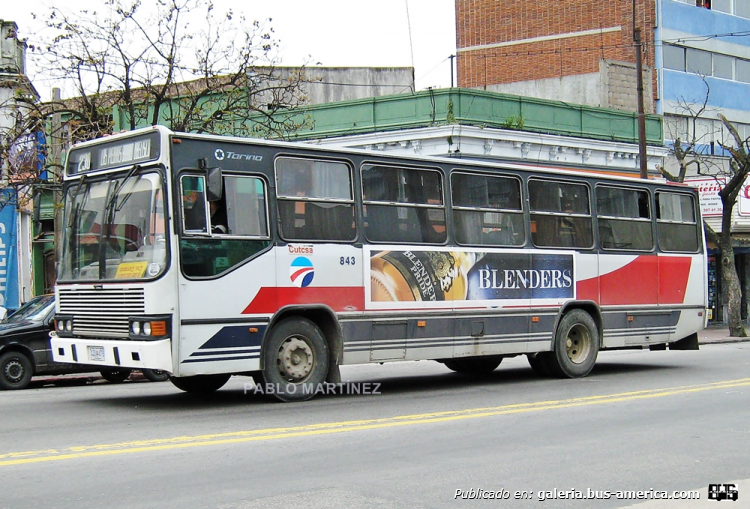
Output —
(674, 273)
(300, 271)
(338, 298)
(649, 279)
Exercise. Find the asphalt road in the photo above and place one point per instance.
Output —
(649, 421)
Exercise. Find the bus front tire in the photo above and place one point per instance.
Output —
(15, 371)
(473, 365)
(576, 346)
(295, 359)
(199, 384)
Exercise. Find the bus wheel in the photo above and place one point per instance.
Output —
(155, 375)
(474, 365)
(199, 384)
(539, 362)
(15, 371)
(295, 359)
(576, 345)
(115, 375)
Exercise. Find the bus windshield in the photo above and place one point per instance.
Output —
(115, 229)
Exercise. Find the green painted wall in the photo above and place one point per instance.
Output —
(459, 106)
(476, 108)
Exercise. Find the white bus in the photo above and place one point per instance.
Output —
(210, 256)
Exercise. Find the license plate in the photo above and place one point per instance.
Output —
(96, 353)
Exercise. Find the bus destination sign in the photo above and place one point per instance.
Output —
(113, 154)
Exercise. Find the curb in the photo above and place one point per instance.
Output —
(725, 340)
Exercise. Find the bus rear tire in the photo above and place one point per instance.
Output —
(576, 345)
(199, 384)
(295, 360)
(539, 362)
(115, 375)
(155, 375)
(474, 365)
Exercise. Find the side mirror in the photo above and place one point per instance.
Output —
(214, 184)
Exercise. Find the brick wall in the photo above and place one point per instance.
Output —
(489, 22)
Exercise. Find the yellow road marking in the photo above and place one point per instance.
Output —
(235, 437)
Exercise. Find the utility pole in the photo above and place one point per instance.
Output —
(451, 59)
(641, 115)
(56, 168)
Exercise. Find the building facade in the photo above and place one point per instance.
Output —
(581, 52)
(20, 152)
(696, 58)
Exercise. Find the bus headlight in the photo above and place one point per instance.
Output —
(150, 327)
(64, 325)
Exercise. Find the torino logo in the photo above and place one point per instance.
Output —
(527, 278)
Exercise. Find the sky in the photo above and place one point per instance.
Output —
(336, 33)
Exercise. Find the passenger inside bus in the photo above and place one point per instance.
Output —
(218, 217)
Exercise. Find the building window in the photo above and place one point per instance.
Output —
(674, 57)
(743, 70)
(742, 8)
(723, 66)
(722, 6)
(698, 61)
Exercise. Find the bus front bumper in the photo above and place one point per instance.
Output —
(113, 353)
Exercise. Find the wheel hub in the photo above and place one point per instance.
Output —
(13, 371)
(295, 360)
(578, 344)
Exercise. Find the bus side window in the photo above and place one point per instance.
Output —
(315, 200)
(676, 223)
(560, 213)
(193, 204)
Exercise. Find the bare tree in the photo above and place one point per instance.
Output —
(170, 62)
(692, 159)
(127, 64)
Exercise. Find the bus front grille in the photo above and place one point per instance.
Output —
(102, 313)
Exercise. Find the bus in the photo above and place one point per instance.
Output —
(208, 256)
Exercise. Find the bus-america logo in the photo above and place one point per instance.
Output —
(301, 272)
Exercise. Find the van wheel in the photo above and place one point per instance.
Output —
(199, 384)
(155, 375)
(295, 359)
(115, 375)
(474, 365)
(15, 371)
(576, 345)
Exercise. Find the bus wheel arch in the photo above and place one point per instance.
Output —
(325, 319)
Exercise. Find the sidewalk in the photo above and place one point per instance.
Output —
(719, 334)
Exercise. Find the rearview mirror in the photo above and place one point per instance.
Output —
(214, 184)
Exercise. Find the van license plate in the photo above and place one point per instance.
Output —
(96, 353)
